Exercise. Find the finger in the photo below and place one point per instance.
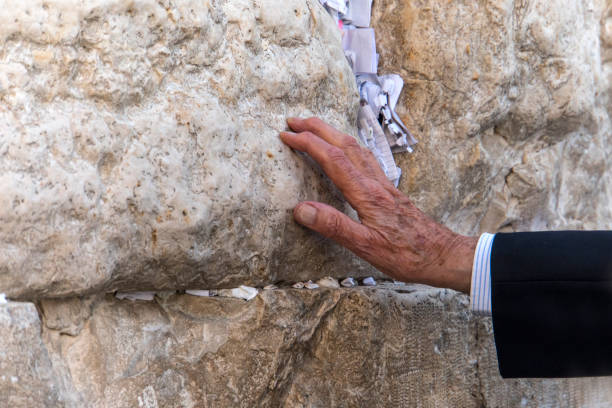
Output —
(315, 125)
(333, 224)
(361, 157)
(333, 162)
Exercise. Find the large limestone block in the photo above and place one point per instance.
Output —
(398, 346)
(139, 143)
(510, 102)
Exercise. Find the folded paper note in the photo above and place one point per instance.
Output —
(241, 292)
(197, 292)
(360, 48)
(380, 127)
(359, 13)
(374, 137)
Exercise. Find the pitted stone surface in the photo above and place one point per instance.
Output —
(510, 102)
(139, 150)
(139, 144)
(393, 346)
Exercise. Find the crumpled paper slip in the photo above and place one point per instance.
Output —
(392, 86)
(135, 295)
(372, 135)
(371, 91)
(241, 292)
(3, 300)
(404, 140)
(381, 94)
(348, 283)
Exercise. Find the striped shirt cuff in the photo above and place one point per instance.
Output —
(480, 293)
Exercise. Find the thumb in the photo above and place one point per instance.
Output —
(331, 223)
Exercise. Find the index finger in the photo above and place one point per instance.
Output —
(361, 157)
(334, 163)
(315, 125)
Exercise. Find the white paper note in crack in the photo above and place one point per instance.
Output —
(360, 46)
(380, 90)
(368, 128)
(381, 94)
(198, 292)
(371, 93)
(241, 292)
(392, 85)
(135, 295)
(359, 12)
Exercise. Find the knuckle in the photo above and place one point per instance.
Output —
(333, 226)
(335, 154)
(350, 142)
(381, 197)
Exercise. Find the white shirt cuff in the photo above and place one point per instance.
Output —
(480, 292)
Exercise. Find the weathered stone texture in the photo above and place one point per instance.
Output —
(139, 143)
(398, 346)
(510, 101)
(139, 150)
(26, 375)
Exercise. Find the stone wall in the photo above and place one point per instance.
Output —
(393, 346)
(139, 151)
(139, 144)
(510, 101)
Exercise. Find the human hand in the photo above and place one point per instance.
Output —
(393, 235)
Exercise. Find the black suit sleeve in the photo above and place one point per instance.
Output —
(551, 296)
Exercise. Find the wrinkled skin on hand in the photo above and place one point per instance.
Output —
(393, 235)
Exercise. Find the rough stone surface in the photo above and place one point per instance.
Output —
(139, 143)
(139, 151)
(510, 102)
(26, 376)
(397, 346)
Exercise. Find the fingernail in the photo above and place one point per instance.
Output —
(283, 135)
(293, 120)
(306, 214)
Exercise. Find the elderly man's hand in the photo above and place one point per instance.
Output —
(394, 235)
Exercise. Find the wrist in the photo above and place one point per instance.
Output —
(457, 263)
(452, 266)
